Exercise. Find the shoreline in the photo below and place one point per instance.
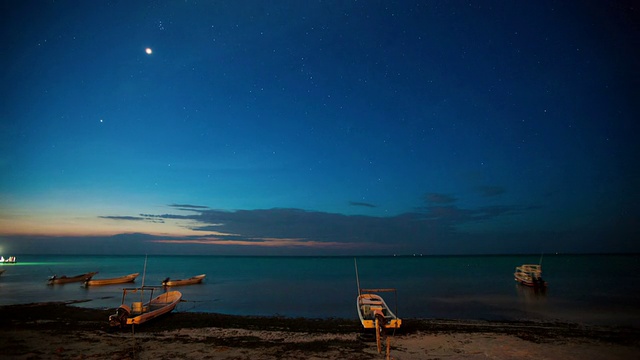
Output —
(42, 330)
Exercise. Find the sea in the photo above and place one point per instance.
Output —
(583, 289)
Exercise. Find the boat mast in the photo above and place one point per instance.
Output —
(357, 277)
(144, 274)
(540, 262)
(144, 271)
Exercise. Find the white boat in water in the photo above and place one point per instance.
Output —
(117, 280)
(9, 260)
(190, 281)
(530, 275)
(55, 279)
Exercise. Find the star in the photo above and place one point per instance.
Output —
(148, 51)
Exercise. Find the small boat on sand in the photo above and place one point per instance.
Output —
(530, 275)
(118, 280)
(139, 313)
(375, 314)
(190, 281)
(66, 279)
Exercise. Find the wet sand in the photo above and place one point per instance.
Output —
(64, 331)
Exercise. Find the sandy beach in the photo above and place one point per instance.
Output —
(64, 331)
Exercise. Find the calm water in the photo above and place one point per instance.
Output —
(585, 289)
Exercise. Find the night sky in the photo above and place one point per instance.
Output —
(319, 127)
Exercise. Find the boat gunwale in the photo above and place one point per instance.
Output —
(70, 279)
(164, 307)
(190, 281)
(393, 321)
(112, 281)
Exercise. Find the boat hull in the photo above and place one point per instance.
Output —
(65, 280)
(191, 281)
(140, 313)
(529, 275)
(120, 280)
(371, 304)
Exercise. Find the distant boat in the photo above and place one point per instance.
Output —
(190, 281)
(374, 313)
(530, 275)
(140, 313)
(9, 260)
(65, 279)
(118, 280)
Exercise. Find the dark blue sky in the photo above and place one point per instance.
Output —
(319, 127)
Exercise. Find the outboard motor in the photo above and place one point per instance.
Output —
(120, 317)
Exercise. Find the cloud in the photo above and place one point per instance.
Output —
(355, 203)
(188, 207)
(126, 218)
(433, 229)
(296, 228)
(439, 198)
(142, 217)
(440, 226)
(264, 242)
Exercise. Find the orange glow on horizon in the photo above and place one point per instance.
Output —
(76, 226)
(264, 242)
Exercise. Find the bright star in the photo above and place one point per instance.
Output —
(148, 51)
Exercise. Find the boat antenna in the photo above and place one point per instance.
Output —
(355, 261)
(540, 262)
(144, 271)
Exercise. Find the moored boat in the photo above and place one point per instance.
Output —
(66, 279)
(139, 313)
(9, 260)
(190, 281)
(117, 280)
(530, 275)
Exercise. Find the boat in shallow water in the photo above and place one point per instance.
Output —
(530, 275)
(190, 281)
(139, 313)
(66, 279)
(9, 260)
(117, 280)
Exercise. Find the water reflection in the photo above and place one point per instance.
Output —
(530, 294)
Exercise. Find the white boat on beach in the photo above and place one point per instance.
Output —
(375, 314)
(139, 313)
